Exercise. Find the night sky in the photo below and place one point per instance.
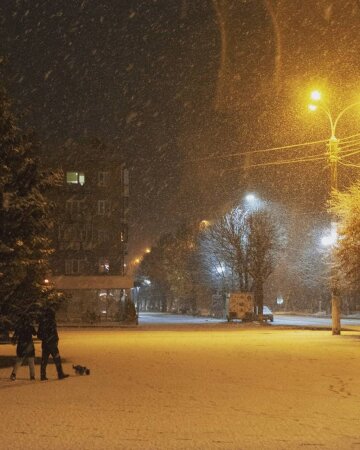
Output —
(147, 77)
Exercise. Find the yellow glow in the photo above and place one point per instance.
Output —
(312, 107)
(204, 224)
(315, 95)
(137, 261)
(148, 250)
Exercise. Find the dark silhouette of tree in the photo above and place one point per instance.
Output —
(153, 269)
(25, 222)
(173, 269)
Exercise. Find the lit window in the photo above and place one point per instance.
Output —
(75, 178)
(124, 234)
(104, 265)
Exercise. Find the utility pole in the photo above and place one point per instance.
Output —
(333, 147)
(334, 156)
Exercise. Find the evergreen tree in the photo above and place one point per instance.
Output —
(24, 223)
(346, 206)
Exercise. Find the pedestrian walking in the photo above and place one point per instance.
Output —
(25, 350)
(47, 333)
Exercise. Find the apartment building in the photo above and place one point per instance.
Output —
(91, 229)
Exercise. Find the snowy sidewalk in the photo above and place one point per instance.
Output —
(189, 388)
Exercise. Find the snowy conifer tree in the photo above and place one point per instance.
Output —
(346, 205)
(25, 222)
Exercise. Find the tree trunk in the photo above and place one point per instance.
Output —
(259, 297)
(335, 314)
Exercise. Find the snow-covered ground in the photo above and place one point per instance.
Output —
(199, 386)
(297, 320)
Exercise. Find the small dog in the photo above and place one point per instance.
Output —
(81, 370)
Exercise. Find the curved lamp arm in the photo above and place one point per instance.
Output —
(342, 112)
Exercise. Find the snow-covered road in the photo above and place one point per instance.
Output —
(213, 387)
(156, 318)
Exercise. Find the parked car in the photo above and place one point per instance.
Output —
(267, 314)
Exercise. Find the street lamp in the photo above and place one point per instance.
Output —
(330, 238)
(333, 152)
(250, 198)
(204, 224)
(253, 202)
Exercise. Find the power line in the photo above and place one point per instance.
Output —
(251, 152)
(354, 143)
(357, 166)
(349, 137)
(350, 141)
(347, 141)
(281, 162)
(353, 152)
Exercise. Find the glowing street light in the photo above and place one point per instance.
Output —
(220, 269)
(330, 239)
(251, 198)
(204, 225)
(253, 202)
(315, 95)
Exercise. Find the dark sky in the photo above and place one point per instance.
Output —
(129, 72)
(143, 75)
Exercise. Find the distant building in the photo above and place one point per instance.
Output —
(91, 229)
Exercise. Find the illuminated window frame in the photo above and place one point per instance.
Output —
(75, 178)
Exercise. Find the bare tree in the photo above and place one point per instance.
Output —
(227, 242)
(247, 243)
(264, 243)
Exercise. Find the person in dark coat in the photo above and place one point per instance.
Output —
(47, 333)
(23, 337)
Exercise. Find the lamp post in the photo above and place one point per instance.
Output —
(333, 153)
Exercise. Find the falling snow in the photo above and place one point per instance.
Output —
(184, 89)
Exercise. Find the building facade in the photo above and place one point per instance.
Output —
(90, 230)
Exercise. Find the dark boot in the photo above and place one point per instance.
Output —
(63, 375)
(43, 372)
(60, 372)
(13, 376)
